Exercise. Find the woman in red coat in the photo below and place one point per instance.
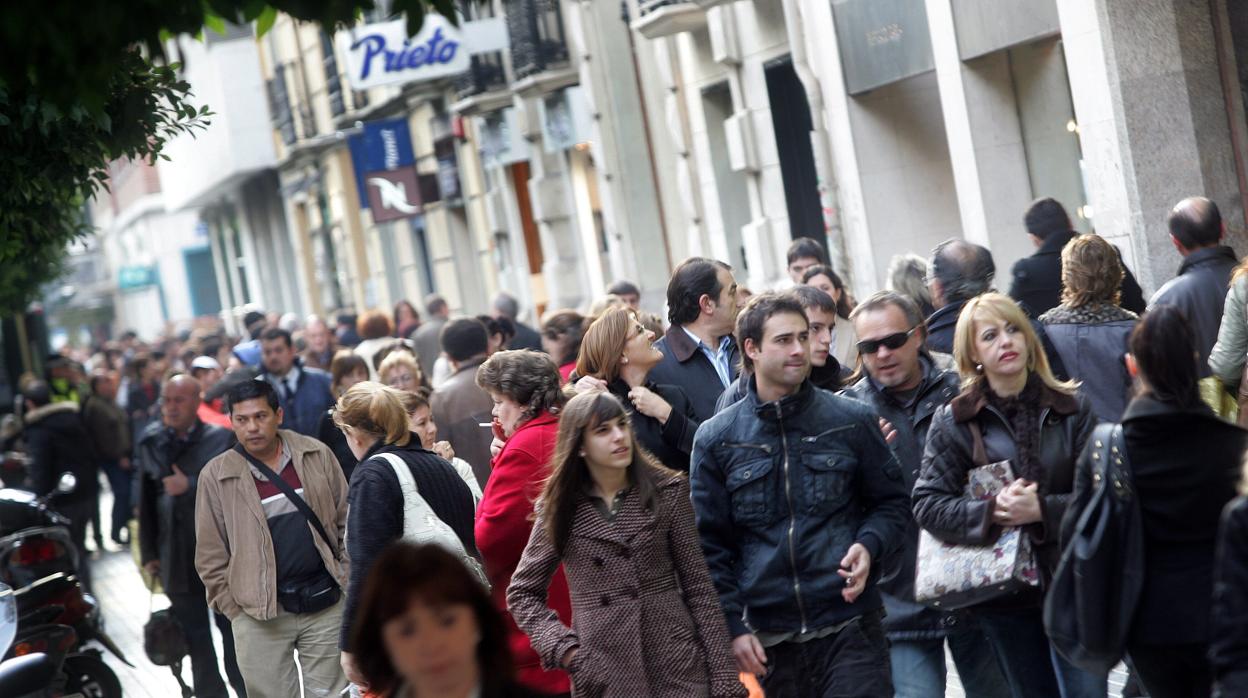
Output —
(525, 388)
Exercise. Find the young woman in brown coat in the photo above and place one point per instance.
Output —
(646, 618)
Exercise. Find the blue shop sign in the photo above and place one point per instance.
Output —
(135, 276)
(382, 146)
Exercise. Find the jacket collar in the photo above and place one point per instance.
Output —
(470, 364)
(234, 465)
(680, 343)
(785, 407)
(974, 399)
(1054, 243)
(932, 378)
(51, 408)
(1146, 406)
(539, 420)
(947, 315)
(1206, 256)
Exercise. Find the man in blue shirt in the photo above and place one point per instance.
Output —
(699, 353)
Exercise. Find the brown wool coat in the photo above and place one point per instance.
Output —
(646, 617)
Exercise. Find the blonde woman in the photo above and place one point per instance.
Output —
(1028, 417)
(400, 371)
(395, 479)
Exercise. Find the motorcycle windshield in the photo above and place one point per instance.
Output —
(8, 617)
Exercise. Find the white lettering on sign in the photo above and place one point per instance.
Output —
(393, 195)
(383, 54)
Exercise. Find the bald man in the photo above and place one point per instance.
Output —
(1199, 290)
(169, 456)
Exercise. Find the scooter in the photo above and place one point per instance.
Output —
(79, 611)
(35, 540)
(34, 655)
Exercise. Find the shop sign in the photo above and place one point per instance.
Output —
(383, 54)
(882, 41)
(985, 26)
(448, 168)
(402, 193)
(381, 146)
(136, 276)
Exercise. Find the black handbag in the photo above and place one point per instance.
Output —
(164, 643)
(322, 592)
(1092, 599)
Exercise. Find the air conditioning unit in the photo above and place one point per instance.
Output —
(725, 45)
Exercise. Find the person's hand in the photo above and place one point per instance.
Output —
(1017, 505)
(177, 483)
(589, 384)
(496, 446)
(749, 653)
(566, 662)
(352, 672)
(443, 448)
(855, 567)
(124, 462)
(152, 567)
(650, 404)
(888, 430)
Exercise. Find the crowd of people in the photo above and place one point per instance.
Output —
(737, 499)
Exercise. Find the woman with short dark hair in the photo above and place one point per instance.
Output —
(561, 338)
(426, 627)
(525, 388)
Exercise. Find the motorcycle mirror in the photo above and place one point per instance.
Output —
(67, 483)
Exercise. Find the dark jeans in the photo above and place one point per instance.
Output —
(1173, 671)
(192, 611)
(119, 483)
(919, 665)
(852, 663)
(79, 513)
(1031, 667)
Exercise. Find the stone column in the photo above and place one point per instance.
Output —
(1152, 117)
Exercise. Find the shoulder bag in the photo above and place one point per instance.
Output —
(1096, 589)
(950, 575)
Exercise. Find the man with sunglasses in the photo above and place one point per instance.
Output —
(904, 386)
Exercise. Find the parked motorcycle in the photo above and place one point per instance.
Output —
(35, 540)
(34, 654)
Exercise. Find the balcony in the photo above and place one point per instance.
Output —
(539, 48)
(659, 18)
(483, 87)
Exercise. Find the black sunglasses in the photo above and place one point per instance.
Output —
(892, 341)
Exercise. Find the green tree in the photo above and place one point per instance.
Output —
(83, 84)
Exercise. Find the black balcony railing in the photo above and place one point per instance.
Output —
(279, 105)
(333, 83)
(537, 39)
(485, 74)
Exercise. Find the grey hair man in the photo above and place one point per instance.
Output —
(505, 305)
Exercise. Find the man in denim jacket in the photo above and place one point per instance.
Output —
(797, 496)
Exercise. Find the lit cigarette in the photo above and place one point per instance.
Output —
(487, 425)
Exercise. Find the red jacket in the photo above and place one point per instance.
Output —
(504, 520)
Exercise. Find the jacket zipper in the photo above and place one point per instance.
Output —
(788, 495)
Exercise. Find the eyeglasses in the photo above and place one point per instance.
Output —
(892, 341)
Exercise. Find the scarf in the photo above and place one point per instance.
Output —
(1022, 411)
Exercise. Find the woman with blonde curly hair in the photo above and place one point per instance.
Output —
(1089, 329)
(1011, 408)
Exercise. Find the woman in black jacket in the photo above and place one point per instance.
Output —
(372, 418)
(1185, 462)
(1028, 417)
(1228, 647)
(617, 351)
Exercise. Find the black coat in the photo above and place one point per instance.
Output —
(672, 442)
(1200, 292)
(907, 620)
(57, 442)
(167, 524)
(1228, 649)
(941, 507)
(1037, 280)
(329, 434)
(686, 367)
(526, 338)
(376, 508)
(1185, 463)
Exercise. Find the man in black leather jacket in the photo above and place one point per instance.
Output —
(169, 455)
(797, 496)
(905, 389)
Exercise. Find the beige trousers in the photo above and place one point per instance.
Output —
(266, 654)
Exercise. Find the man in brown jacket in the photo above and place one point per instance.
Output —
(273, 572)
